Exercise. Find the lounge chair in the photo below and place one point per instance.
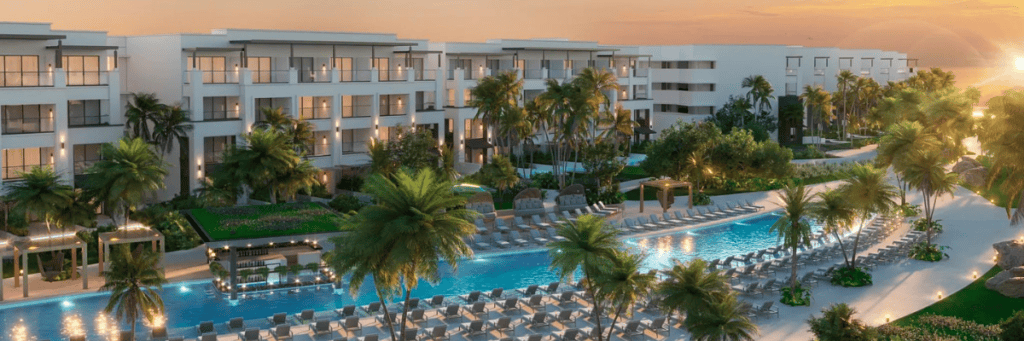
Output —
(674, 221)
(496, 294)
(740, 207)
(808, 279)
(565, 297)
(500, 225)
(471, 297)
(662, 223)
(450, 311)
(283, 332)
(537, 238)
(158, 333)
(607, 208)
(473, 328)
(418, 315)
(306, 316)
(728, 261)
(508, 305)
(251, 334)
(631, 225)
(438, 333)
(478, 242)
(758, 207)
(568, 217)
(320, 327)
(749, 289)
(411, 334)
(553, 235)
(502, 324)
(728, 211)
(540, 223)
(529, 291)
(352, 324)
(518, 239)
(373, 308)
(536, 302)
(437, 301)
(766, 309)
(522, 225)
(480, 226)
(657, 325)
(537, 320)
(646, 224)
(596, 212)
(478, 308)
(565, 317)
(500, 242)
(680, 216)
(551, 288)
(208, 337)
(555, 219)
(571, 334)
(236, 324)
(631, 328)
(206, 327)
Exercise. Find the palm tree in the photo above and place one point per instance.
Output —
(897, 147)
(868, 192)
(359, 259)
(819, 106)
(301, 133)
(792, 227)
(837, 324)
(448, 163)
(760, 94)
(41, 192)
(382, 161)
(494, 97)
(844, 80)
(134, 280)
(129, 170)
(217, 191)
(142, 109)
(172, 125)
(692, 288)
(622, 127)
(292, 180)
(589, 244)
(927, 173)
(79, 211)
(725, 320)
(266, 156)
(622, 284)
(836, 214)
(274, 118)
(540, 117)
(415, 225)
(554, 103)
(1000, 135)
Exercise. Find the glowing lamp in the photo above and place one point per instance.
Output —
(940, 295)
(887, 318)
(975, 274)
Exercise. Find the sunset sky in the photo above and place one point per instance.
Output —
(980, 37)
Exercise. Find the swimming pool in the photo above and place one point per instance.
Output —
(189, 303)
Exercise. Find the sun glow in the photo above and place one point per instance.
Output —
(1019, 63)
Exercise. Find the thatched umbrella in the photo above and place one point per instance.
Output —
(976, 177)
(965, 164)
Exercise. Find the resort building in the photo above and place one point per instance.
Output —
(60, 99)
(351, 86)
(690, 82)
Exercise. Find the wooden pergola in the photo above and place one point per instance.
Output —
(54, 242)
(665, 196)
(131, 234)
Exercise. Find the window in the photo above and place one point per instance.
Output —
(467, 97)
(315, 107)
(21, 71)
(392, 105)
(474, 129)
(346, 106)
(273, 103)
(389, 133)
(321, 145)
(350, 144)
(451, 97)
(214, 147)
(793, 62)
(344, 64)
(24, 119)
(362, 106)
(220, 108)
(82, 70)
(85, 113)
(17, 161)
(261, 69)
(820, 62)
(85, 156)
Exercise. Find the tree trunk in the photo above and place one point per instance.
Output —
(597, 304)
(846, 259)
(273, 195)
(183, 167)
(615, 319)
(390, 326)
(792, 284)
(856, 242)
(405, 311)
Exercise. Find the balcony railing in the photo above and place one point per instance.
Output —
(426, 75)
(640, 72)
(270, 76)
(533, 73)
(26, 78)
(399, 75)
(451, 74)
(212, 77)
(885, 71)
(315, 76)
(557, 74)
(362, 110)
(621, 71)
(353, 148)
(819, 72)
(791, 71)
(313, 113)
(86, 121)
(87, 78)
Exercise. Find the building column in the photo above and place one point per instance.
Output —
(85, 266)
(74, 263)
(196, 168)
(115, 110)
(195, 98)
(2, 280)
(233, 267)
(459, 139)
(375, 114)
(17, 269)
(24, 266)
(163, 254)
(336, 123)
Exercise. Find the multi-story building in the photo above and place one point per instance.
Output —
(351, 86)
(60, 99)
(535, 61)
(690, 82)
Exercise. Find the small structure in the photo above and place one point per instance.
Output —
(133, 233)
(571, 197)
(665, 196)
(24, 247)
(482, 203)
(528, 202)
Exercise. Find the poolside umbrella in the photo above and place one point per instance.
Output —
(975, 176)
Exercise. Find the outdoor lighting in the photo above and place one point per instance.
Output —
(978, 113)
(940, 295)
(225, 247)
(975, 275)
(887, 317)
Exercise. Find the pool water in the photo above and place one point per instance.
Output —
(189, 303)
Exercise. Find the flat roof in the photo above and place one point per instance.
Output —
(213, 49)
(322, 42)
(625, 55)
(32, 36)
(84, 47)
(419, 51)
(571, 49)
(480, 54)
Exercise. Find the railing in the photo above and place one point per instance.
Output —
(85, 121)
(640, 72)
(865, 71)
(451, 74)
(885, 71)
(40, 125)
(87, 78)
(427, 105)
(426, 75)
(220, 115)
(578, 71)
(315, 76)
(791, 89)
(394, 75)
(362, 110)
(533, 73)
(819, 72)
(392, 110)
(354, 75)
(270, 76)
(26, 78)
(791, 71)
(318, 112)
(353, 148)
(556, 73)
(640, 94)
(621, 72)
(209, 77)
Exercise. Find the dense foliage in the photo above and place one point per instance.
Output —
(837, 324)
(738, 113)
(851, 277)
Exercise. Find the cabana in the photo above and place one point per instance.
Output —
(528, 202)
(665, 196)
(60, 241)
(133, 233)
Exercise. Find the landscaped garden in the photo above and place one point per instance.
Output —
(228, 223)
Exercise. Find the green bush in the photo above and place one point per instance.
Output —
(1012, 327)
(544, 181)
(349, 183)
(318, 190)
(837, 324)
(930, 327)
(178, 233)
(811, 152)
(922, 225)
(910, 210)
(847, 277)
(701, 198)
(345, 203)
(800, 297)
(928, 252)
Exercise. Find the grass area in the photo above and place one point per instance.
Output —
(992, 193)
(973, 303)
(632, 173)
(266, 220)
(652, 194)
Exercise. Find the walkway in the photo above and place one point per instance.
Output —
(865, 153)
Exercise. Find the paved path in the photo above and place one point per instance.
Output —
(865, 153)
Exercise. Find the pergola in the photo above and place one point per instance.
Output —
(132, 234)
(665, 186)
(46, 243)
(5, 250)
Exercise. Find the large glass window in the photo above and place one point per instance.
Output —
(220, 108)
(17, 161)
(321, 145)
(82, 70)
(214, 147)
(344, 66)
(85, 156)
(261, 69)
(315, 107)
(21, 71)
(85, 113)
(393, 105)
(23, 119)
(273, 103)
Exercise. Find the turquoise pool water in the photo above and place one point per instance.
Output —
(189, 303)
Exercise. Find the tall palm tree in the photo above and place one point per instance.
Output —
(555, 104)
(589, 244)
(292, 180)
(927, 173)
(172, 125)
(844, 80)
(415, 225)
(868, 192)
(622, 284)
(41, 192)
(128, 171)
(760, 93)
(819, 106)
(141, 112)
(494, 97)
(999, 133)
(264, 158)
(622, 127)
(692, 287)
(361, 258)
(274, 118)
(836, 214)
(134, 280)
(792, 227)
(726, 320)
(79, 211)
(897, 147)
(381, 159)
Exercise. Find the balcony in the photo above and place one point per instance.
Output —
(214, 77)
(557, 74)
(638, 72)
(26, 79)
(316, 76)
(792, 71)
(621, 72)
(315, 113)
(88, 78)
(426, 75)
(533, 74)
(819, 72)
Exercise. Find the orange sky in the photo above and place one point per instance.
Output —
(979, 37)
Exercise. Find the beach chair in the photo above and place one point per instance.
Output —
(551, 288)
(682, 216)
(478, 242)
(631, 328)
(473, 296)
(418, 315)
(473, 328)
(529, 291)
(553, 235)
(766, 309)
(565, 317)
(500, 225)
(438, 333)
(236, 324)
(728, 211)
(671, 220)
(646, 224)
(714, 264)
(437, 301)
(352, 324)
(740, 207)
(607, 208)
(411, 334)
(540, 223)
(555, 219)
(520, 224)
(658, 325)
(596, 211)
(728, 261)
(565, 297)
(571, 334)
(498, 241)
(537, 238)
(208, 337)
(758, 207)
(509, 305)
(568, 216)
(496, 294)
(321, 326)
(809, 279)
(480, 226)
(450, 311)
(631, 225)
(659, 222)
(518, 239)
(536, 302)
(373, 308)
(383, 318)
(306, 316)
(251, 334)
(205, 327)
(502, 324)
(283, 332)
(697, 216)
(477, 309)
(538, 319)
(750, 289)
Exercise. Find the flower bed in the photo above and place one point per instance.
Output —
(266, 220)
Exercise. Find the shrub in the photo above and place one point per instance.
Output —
(922, 225)
(910, 210)
(837, 324)
(800, 297)
(932, 327)
(701, 198)
(811, 152)
(1012, 327)
(318, 190)
(178, 233)
(349, 183)
(346, 203)
(544, 181)
(928, 252)
(851, 277)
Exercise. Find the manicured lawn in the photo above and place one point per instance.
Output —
(632, 173)
(266, 220)
(972, 303)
